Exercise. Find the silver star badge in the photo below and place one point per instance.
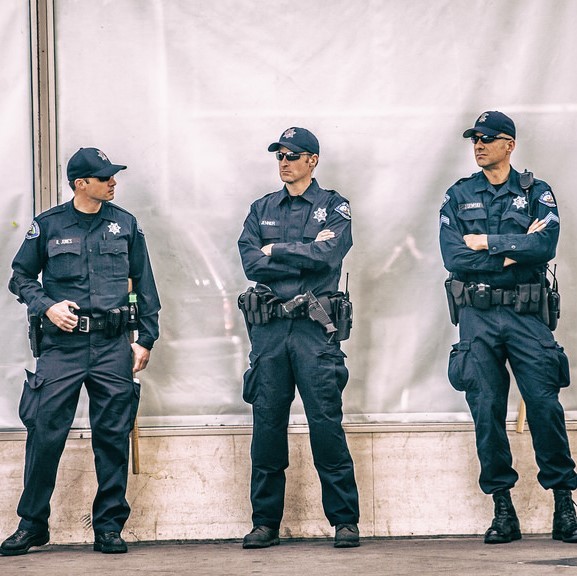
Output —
(320, 215)
(520, 202)
(102, 155)
(114, 228)
(290, 133)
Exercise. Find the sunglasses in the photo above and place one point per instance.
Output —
(291, 156)
(101, 178)
(487, 139)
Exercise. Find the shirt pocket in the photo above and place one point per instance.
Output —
(473, 221)
(515, 222)
(64, 259)
(311, 230)
(269, 233)
(113, 258)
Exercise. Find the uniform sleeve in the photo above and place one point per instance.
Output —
(257, 266)
(457, 256)
(27, 266)
(145, 288)
(327, 254)
(535, 248)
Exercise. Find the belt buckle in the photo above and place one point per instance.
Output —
(84, 324)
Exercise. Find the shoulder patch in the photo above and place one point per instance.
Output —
(445, 200)
(548, 199)
(344, 210)
(33, 231)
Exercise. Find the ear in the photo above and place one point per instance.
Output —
(313, 160)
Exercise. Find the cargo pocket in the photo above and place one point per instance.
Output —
(458, 365)
(28, 408)
(249, 387)
(563, 377)
(135, 401)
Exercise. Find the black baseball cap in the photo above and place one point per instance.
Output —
(297, 140)
(91, 162)
(492, 123)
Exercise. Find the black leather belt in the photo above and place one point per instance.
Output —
(279, 312)
(86, 324)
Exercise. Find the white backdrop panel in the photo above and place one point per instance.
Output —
(189, 94)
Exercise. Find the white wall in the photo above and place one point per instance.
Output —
(413, 481)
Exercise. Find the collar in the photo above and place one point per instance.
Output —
(481, 184)
(71, 217)
(309, 194)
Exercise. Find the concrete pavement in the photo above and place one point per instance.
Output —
(531, 556)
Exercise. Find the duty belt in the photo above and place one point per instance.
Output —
(86, 324)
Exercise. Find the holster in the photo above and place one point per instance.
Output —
(455, 290)
(35, 334)
(116, 321)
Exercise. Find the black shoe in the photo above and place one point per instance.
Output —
(564, 519)
(109, 543)
(346, 536)
(505, 527)
(22, 540)
(261, 537)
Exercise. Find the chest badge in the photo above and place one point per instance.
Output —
(320, 215)
(114, 228)
(520, 202)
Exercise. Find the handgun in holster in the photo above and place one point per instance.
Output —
(35, 334)
(318, 314)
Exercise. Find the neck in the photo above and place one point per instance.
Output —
(86, 205)
(497, 174)
(297, 188)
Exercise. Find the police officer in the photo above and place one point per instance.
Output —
(498, 229)
(86, 250)
(293, 241)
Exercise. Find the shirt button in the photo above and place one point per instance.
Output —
(513, 246)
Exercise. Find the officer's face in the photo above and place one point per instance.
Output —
(295, 171)
(95, 190)
(494, 154)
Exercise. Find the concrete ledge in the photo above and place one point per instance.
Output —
(414, 480)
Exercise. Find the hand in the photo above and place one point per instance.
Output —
(267, 250)
(537, 226)
(476, 241)
(61, 316)
(140, 357)
(324, 235)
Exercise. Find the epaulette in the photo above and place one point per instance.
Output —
(54, 210)
(461, 180)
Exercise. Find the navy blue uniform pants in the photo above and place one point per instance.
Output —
(47, 409)
(286, 353)
(488, 338)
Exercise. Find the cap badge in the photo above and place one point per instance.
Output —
(290, 133)
(102, 156)
(320, 215)
(483, 117)
(520, 202)
(114, 228)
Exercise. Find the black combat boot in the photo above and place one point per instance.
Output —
(505, 527)
(564, 519)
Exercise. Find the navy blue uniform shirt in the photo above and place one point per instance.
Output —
(297, 263)
(474, 206)
(87, 262)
